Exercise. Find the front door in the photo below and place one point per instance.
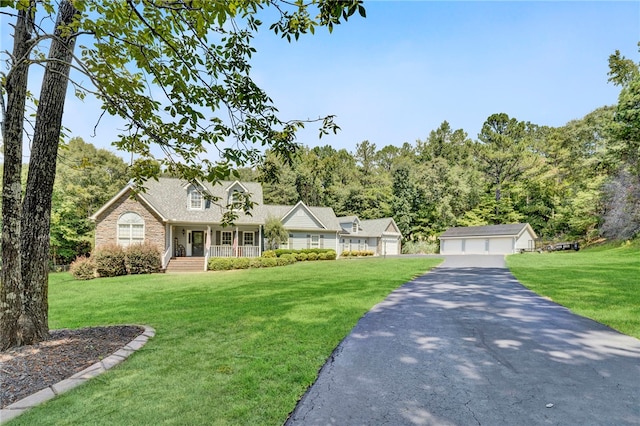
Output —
(197, 248)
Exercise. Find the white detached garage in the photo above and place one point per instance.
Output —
(489, 239)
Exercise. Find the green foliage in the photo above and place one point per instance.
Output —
(421, 247)
(312, 256)
(241, 263)
(269, 253)
(220, 263)
(301, 257)
(86, 179)
(275, 233)
(110, 261)
(143, 258)
(83, 268)
(269, 262)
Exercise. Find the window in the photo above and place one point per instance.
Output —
(227, 238)
(130, 229)
(195, 200)
(486, 245)
(315, 241)
(354, 228)
(247, 238)
(290, 241)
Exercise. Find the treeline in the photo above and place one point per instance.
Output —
(578, 181)
(557, 179)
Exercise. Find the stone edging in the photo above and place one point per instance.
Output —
(14, 410)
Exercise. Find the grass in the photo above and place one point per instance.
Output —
(236, 347)
(600, 283)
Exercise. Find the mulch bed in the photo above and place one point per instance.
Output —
(27, 369)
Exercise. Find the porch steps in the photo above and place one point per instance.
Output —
(185, 264)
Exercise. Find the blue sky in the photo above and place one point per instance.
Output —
(396, 75)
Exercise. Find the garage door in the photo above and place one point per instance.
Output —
(390, 246)
(501, 246)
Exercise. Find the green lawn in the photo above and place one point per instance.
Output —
(237, 347)
(600, 283)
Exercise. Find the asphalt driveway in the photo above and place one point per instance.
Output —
(467, 344)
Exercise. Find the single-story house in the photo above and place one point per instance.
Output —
(490, 239)
(178, 218)
(381, 236)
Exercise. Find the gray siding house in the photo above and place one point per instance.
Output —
(489, 239)
(178, 218)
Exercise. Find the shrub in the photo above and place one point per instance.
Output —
(291, 258)
(366, 253)
(268, 262)
(255, 262)
(220, 263)
(269, 254)
(420, 247)
(354, 253)
(143, 258)
(345, 253)
(110, 261)
(301, 256)
(322, 256)
(241, 263)
(83, 268)
(330, 255)
(280, 252)
(312, 256)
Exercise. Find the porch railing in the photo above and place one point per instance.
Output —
(230, 251)
(166, 257)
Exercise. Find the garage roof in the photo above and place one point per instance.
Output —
(509, 230)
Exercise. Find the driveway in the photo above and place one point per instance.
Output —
(468, 345)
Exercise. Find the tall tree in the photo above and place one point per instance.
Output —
(177, 71)
(502, 153)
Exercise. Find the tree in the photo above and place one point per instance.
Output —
(177, 71)
(86, 179)
(502, 152)
(275, 233)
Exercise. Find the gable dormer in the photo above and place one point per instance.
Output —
(195, 197)
(233, 191)
(355, 226)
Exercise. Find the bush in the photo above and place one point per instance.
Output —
(330, 255)
(354, 253)
(345, 253)
(366, 253)
(255, 262)
(270, 254)
(241, 263)
(220, 263)
(143, 258)
(301, 256)
(312, 256)
(322, 256)
(110, 261)
(268, 262)
(83, 268)
(285, 260)
(420, 247)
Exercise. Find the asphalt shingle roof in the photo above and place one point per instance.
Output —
(513, 229)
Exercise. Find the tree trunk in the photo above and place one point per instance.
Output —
(12, 288)
(36, 217)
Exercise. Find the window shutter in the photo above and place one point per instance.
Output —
(308, 240)
(217, 242)
(321, 241)
(255, 238)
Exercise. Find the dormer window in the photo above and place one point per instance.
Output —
(195, 200)
(354, 228)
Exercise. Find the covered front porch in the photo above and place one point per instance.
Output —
(206, 240)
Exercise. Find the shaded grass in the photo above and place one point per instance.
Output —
(600, 283)
(237, 347)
